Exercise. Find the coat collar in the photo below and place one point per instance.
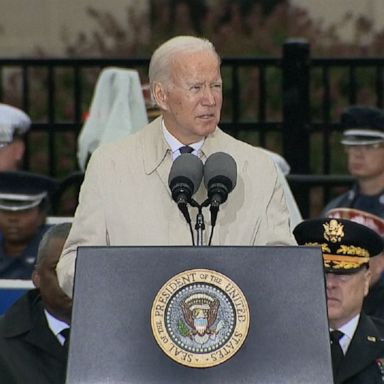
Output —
(157, 153)
(156, 150)
(366, 346)
(25, 320)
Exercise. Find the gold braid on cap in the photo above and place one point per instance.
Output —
(352, 250)
(324, 246)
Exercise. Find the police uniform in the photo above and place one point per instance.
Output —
(23, 191)
(347, 247)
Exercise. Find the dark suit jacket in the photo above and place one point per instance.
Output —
(360, 364)
(29, 351)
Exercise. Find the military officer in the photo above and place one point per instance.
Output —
(357, 344)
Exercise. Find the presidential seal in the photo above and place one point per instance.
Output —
(200, 318)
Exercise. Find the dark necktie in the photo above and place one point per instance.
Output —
(65, 334)
(336, 351)
(186, 149)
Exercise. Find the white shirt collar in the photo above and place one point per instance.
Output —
(56, 326)
(349, 330)
(175, 144)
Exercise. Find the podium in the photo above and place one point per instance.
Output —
(199, 314)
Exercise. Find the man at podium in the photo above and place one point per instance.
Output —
(357, 340)
(125, 198)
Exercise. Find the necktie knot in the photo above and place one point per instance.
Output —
(336, 335)
(65, 333)
(186, 149)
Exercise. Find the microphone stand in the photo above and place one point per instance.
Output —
(200, 225)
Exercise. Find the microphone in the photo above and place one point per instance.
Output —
(184, 180)
(220, 175)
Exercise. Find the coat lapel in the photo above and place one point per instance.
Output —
(156, 151)
(366, 346)
(31, 325)
(42, 337)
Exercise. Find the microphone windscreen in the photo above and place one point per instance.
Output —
(221, 165)
(187, 166)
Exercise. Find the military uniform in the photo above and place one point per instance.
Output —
(364, 361)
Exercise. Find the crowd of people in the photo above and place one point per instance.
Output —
(131, 175)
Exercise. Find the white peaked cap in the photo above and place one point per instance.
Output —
(12, 120)
(117, 110)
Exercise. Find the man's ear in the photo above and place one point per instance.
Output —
(18, 149)
(160, 96)
(36, 279)
(367, 281)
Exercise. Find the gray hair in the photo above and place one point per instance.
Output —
(58, 231)
(160, 65)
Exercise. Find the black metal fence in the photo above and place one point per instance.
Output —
(290, 105)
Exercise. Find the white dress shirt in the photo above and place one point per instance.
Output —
(56, 326)
(175, 144)
(349, 330)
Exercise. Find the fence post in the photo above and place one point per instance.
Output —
(295, 84)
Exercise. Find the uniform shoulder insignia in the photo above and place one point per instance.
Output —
(380, 365)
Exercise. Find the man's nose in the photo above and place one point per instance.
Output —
(12, 217)
(208, 96)
(330, 280)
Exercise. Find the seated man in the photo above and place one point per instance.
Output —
(24, 204)
(357, 339)
(14, 123)
(32, 346)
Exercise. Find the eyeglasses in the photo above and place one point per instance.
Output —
(363, 147)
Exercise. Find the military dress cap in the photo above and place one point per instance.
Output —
(345, 244)
(13, 121)
(363, 125)
(24, 190)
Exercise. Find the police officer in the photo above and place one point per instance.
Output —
(24, 204)
(357, 345)
(363, 140)
(14, 123)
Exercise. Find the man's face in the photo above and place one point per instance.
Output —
(345, 295)
(365, 161)
(20, 227)
(191, 104)
(45, 278)
(11, 156)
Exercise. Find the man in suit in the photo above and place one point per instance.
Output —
(32, 345)
(357, 340)
(125, 198)
(14, 123)
(24, 205)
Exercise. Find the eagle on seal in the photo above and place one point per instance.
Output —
(200, 313)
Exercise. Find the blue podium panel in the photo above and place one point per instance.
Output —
(119, 289)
